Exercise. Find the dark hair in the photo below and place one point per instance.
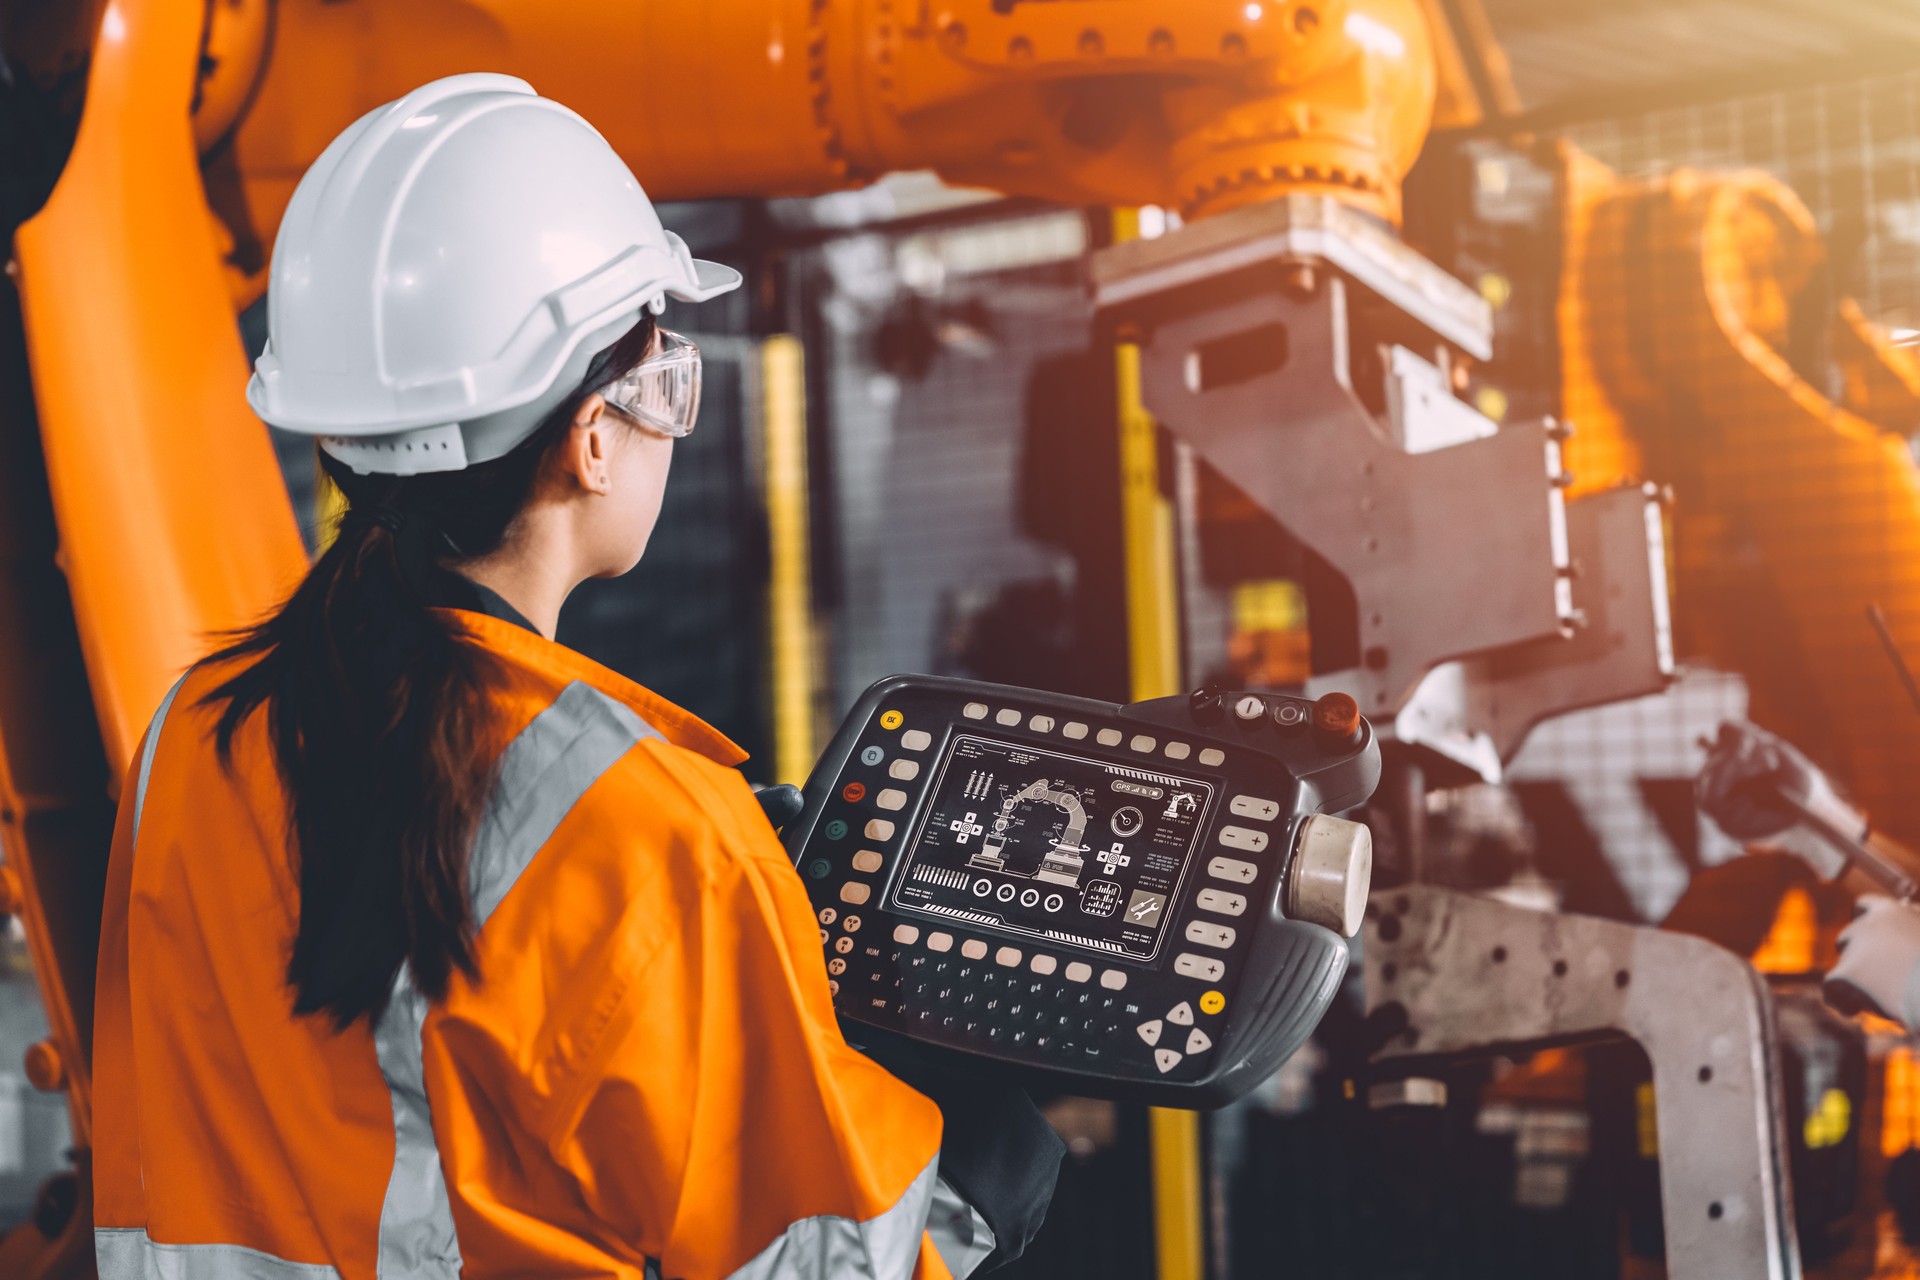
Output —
(375, 706)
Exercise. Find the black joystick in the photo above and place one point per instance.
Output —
(1208, 704)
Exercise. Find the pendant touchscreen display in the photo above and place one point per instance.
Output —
(1041, 844)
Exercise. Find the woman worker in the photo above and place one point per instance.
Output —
(432, 947)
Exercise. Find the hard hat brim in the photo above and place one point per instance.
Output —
(710, 280)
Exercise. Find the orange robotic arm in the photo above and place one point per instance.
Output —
(173, 521)
(1198, 105)
(1798, 505)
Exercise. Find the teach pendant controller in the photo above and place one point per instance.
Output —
(1146, 902)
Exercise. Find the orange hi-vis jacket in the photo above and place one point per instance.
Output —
(646, 1080)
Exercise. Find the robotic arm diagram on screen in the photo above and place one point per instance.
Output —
(1038, 844)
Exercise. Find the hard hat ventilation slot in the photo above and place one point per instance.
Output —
(428, 449)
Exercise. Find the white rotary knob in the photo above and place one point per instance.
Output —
(1331, 874)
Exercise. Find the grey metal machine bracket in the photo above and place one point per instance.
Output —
(1477, 976)
(1450, 552)
(1452, 531)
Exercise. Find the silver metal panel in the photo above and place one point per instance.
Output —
(1476, 975)
(1296, 228)
(1624, 645)
(1422, 410)
(1450, 553)
(1479, 711)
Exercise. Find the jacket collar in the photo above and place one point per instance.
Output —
(676, 724)
(448, 589)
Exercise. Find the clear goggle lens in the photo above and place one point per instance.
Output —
(662, 391)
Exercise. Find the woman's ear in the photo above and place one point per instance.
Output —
(589, 446)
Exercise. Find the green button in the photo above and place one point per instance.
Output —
(836, 830)
(819, 868)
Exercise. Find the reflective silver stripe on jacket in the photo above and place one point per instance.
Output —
(146, 754)
(545, 771)
(125, 1253)
(884, 1247)
(543, 774)
(958, 1231)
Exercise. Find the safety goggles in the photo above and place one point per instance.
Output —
(662, 391)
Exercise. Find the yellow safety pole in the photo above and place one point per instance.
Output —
(783, 398)
(1153, 636)
(1153, 600)
(329, 504)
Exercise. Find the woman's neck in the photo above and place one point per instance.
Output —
(531, 571)
(523, 590)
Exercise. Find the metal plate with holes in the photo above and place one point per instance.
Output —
(1475, 976)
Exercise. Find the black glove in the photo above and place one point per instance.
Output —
(996, 1149)
(1748, 771)
(780, 802)
(1739, 787)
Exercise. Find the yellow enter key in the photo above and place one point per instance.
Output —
(1212, 1002)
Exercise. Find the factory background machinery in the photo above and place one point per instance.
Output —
(1168, 364)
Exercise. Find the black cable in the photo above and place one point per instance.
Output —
(1879, 621)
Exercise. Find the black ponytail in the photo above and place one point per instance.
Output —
(375, 703)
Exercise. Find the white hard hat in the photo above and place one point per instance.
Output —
(446, 271)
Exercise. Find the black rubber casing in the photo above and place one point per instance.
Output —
(1280, 974)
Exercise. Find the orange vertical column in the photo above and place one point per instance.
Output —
(174, 521)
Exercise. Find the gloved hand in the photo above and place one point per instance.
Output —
(1879, 967)
(996, 1149)
(1747, 771)
(780, 802)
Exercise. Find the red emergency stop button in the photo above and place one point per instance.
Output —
(854, 791)
(1337, 716)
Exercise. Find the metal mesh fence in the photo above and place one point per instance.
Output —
(1723, 299)
(1850, 151)
(968, 445)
